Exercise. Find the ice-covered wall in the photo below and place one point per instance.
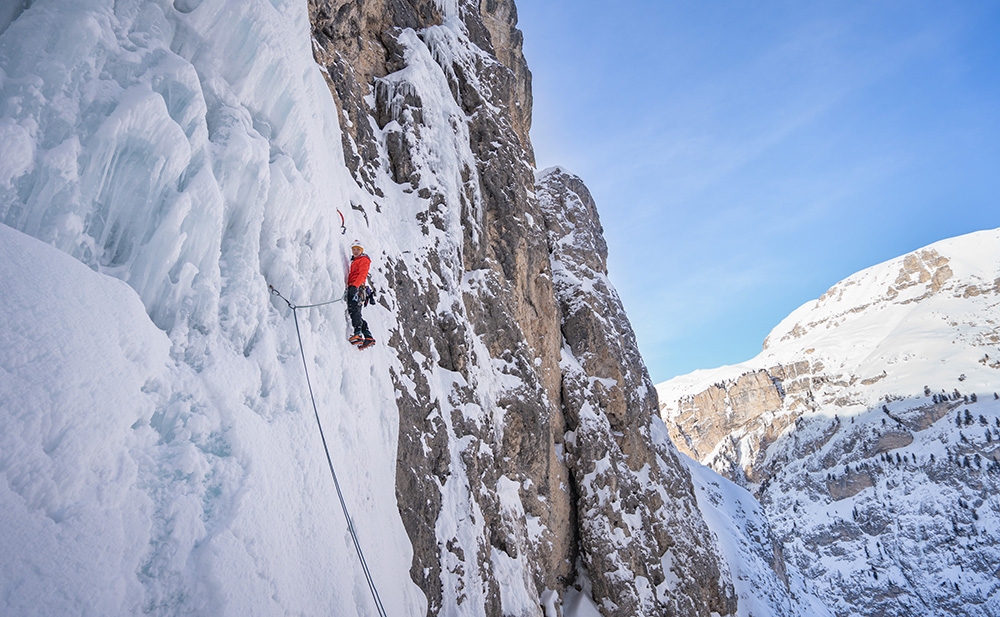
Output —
(169, 145)
(192, 150)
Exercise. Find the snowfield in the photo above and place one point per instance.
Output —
(135, 484)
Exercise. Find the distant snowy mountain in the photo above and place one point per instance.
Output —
(869, 429)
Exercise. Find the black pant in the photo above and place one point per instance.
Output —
(354, 310)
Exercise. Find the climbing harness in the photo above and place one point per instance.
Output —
(329, 460)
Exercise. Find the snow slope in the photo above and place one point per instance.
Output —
(190, 150)
(765, 586)
(142, 487)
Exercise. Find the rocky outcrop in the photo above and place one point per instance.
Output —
(725, 422)
(528, 459)
(639, 519)
(917, 276)
(500, 19)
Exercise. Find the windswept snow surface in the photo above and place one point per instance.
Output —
(145, 486)
(122, 484)
(159, 451)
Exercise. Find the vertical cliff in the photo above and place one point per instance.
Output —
(529, 453)
(642, 537)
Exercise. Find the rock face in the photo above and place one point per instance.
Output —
(529, 456)
(502, 442)
(866, 429)
(754, 409)
(635, 499)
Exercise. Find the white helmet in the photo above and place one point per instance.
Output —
(357, 243)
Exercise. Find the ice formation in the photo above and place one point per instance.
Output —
(190, 149)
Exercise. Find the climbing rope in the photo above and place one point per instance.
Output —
(275, 292)
(329, 460)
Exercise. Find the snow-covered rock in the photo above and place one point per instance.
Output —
(642, 536)
(869, 428)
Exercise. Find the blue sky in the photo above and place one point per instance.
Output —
(746, 156)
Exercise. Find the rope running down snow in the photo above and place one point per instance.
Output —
(336, 482)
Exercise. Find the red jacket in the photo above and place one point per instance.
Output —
(359, 270)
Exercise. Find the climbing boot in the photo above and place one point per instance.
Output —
(366, 343)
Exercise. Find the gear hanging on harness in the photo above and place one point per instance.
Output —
(366, 295)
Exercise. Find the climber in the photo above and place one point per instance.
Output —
(356, 278)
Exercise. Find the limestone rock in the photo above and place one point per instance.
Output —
(635, 498)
